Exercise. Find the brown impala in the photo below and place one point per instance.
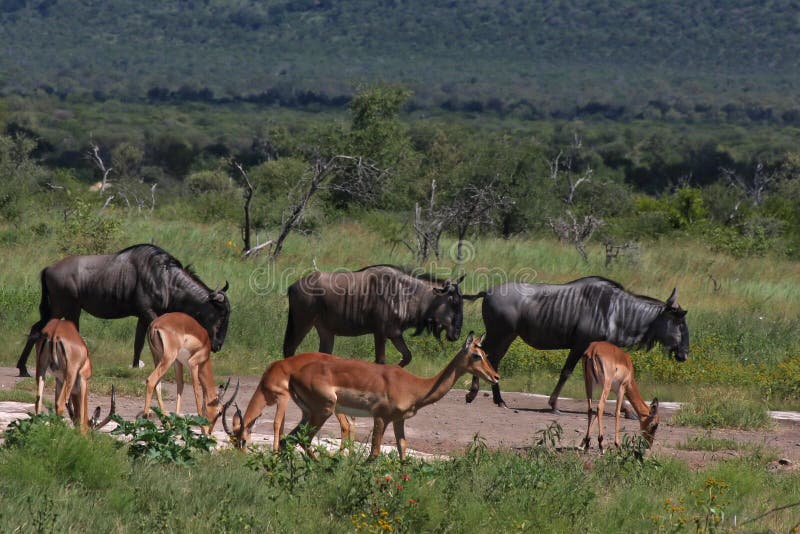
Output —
(60, 348)
(177, 338)
(610, 367)
(387, 393)
(274, 389)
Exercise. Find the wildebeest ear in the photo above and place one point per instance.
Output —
(470, 339)
(680, 313)
(225, 287)
(672, 298)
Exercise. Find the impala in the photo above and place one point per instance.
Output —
(177, 338)
(387, 393)
(61, 349)
(274, 389)
(609, 366)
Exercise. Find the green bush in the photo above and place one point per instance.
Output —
(88, 231)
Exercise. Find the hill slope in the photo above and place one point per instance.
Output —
(553, 54)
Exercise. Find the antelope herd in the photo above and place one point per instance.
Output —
(184, 321)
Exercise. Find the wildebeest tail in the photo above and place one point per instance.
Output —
(476, 296)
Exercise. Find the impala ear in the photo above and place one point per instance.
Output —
(470, 339)
(671, 300)
(654, 408)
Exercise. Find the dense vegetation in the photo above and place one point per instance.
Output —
(710, 60)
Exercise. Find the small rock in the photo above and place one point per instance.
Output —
(516, 411)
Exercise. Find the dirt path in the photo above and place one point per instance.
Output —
(448, 426)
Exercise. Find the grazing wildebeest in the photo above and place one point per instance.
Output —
(381, 300)
(571, 316)
(143, 281)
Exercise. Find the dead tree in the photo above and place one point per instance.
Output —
(248, 198)
(615, 251)
(570, 229)
(94, 156)
(752, 189)
(472, 206)
(352, 174)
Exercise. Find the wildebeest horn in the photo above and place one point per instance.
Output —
(225, 287)
(461, 278)
(672, 297)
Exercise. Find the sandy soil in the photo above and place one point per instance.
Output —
(448, 426)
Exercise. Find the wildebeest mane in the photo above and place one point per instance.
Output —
(425, 276)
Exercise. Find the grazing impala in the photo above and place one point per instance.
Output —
(387, 393)
(274, 389)
(61, 349)
(177, 338)
(609, 366)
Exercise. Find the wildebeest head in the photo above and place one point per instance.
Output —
(670, 329)
(446, 312)
(214, 316)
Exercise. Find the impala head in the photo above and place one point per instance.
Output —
(239, 436)
(214, 314)
(447, 310)
(670, 329)
(475, 359)
(216, 406)
(649, 424)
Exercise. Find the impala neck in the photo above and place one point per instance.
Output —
(635, 398)
(434, 388)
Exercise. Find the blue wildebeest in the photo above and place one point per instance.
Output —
(571, 316)
(143, 281)
(382, 300)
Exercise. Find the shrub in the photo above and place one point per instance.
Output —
(172, 442)
(87, 232)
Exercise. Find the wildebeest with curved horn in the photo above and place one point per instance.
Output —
(571, 316)
(143, 281)
(382, 300)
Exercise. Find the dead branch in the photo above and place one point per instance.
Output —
(94, 156)
(614, 251)
(256, 250)
(248, 197)
(570, 230)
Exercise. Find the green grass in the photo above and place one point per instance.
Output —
(709, 443)
(55, 479)
(744, 336)
(723, 408)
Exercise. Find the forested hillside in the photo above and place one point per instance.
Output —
(734, 60)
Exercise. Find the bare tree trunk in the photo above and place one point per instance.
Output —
(248, 197)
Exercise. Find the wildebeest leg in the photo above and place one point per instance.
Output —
(23, 358)
(297, 328)
(138, 341)
(400, 344)
(495, 353)
(574, 356)
(380, 348)
(325, 340)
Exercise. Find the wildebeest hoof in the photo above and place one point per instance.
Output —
(139, 365)
(555, 411)
(23, 372)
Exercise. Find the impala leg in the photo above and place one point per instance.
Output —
(587, 438)
(378, 429)
(40, 370)
(566, 371)
(280, 419)
(199, 395)
(618, 413)
(348, 433)
(153, 382)
(179, 385)
(601, 405)
(400, 437)
(400, 344)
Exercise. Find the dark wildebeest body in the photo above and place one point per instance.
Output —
(143, 281)
(381, 300)
(571, 316)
